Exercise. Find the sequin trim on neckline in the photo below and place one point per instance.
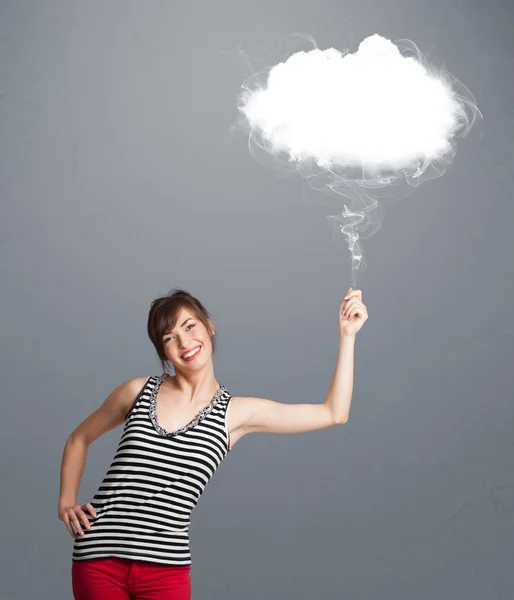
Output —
(200, 415)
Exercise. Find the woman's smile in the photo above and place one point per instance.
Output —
(190, 358)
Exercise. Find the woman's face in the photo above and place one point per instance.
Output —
(188, 334)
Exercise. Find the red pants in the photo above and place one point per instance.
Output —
(126, 579)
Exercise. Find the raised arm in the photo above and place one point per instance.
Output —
(268, 416)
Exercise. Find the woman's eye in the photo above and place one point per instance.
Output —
(191, 325)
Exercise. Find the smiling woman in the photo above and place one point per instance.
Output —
(177, 431)
(163, 317)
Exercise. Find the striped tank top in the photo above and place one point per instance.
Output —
(155, 479)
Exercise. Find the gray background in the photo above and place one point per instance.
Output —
(120, 180)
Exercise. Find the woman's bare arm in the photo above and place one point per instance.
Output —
(108, 416)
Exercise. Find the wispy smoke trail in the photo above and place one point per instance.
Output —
(365, 126)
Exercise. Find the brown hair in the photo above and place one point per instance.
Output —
(163, 316)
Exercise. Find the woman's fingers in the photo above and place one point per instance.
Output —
(76, 523)
(71, 518)
(354, 308)
(354, 293)
(349, 305)
(67, 522)
(83, 517)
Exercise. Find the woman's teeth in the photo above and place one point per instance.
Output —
(192, 353)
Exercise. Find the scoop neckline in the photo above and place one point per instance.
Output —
(196, 419)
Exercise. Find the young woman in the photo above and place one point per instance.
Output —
(131, 541)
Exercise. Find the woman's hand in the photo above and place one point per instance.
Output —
(352, 313)
(71, 515)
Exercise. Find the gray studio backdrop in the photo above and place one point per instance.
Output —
(120, 179)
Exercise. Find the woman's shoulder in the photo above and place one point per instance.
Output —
(136, 383)
(139, 382)
(132, 388)
(130, 391)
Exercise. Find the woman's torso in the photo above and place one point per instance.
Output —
(156, 478)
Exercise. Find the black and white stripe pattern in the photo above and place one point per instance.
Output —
(154, 481)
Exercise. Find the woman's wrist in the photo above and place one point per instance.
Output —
(345, 336)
